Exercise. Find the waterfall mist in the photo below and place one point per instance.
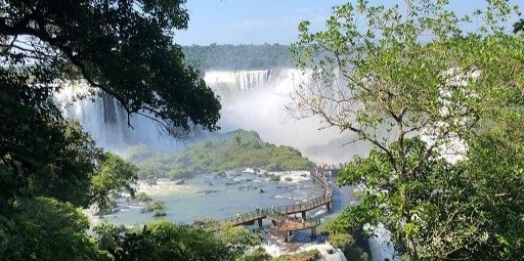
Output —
(256, 100)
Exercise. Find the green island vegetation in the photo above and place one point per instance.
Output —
(142, 197)
(156, 207)
(418, 69)
(312, 255)
(238, 57)
(238, 149)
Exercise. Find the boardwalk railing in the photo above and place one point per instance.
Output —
(288, 225)
(318, 180)
(310, 204)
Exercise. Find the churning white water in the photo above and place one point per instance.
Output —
(380, 245)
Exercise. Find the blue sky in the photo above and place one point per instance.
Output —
(269, 21)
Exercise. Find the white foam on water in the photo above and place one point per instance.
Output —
(249, 170)
(291, 177)
(328, 252)
(380, 244)
(319, 212)
(277, 247)
(272, 249)
(165, 188)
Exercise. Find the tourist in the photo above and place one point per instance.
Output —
(238, 215)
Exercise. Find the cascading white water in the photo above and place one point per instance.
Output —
(330, 254)
(237, 81)
(102, 116)
(251, 100)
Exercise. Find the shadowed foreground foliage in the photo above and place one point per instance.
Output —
(161, 240)
(49, 167)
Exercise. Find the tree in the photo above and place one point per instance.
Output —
(519, 26)
(115, 175)
(238, 238)
(121, 48)
(162, 240)
(495, 165)
(401, 76)
(46, 229)
(258, 254)
(45, 156)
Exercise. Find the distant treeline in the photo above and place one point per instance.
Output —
(238, 57)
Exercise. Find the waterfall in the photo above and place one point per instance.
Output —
(103, 117)
(237, 81)
(251, 100)
(380, 244)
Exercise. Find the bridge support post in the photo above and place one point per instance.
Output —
(260, 222)
(286, 236)
(313, 232)
(304, 214)
(328, 206)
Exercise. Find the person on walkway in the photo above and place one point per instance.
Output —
(303, 223)
(238, 215)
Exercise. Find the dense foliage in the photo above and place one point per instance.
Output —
(159, 241)
(239, 149)
(416, 87)
(50, 167)
(238, 57)
(46, 229)
(464, 85)
(311, 255)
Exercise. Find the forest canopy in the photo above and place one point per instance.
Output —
(238, 57)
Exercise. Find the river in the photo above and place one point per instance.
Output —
(209, 195)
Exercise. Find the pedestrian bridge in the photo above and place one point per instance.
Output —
(282, 223)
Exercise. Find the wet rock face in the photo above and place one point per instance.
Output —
(248, 187)
(207, 191)
(220, 175)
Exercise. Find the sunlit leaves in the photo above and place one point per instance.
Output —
(388, 74)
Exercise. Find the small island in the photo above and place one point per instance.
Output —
(218, 153)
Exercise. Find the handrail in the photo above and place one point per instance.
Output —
(295, 225)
